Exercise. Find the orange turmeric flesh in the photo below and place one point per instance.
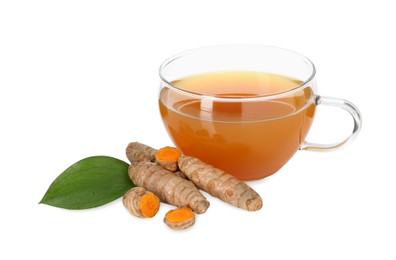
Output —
(167, 157)
(149, 205)
(141, 203)
(180, 218)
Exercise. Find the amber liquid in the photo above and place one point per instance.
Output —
(249, 139)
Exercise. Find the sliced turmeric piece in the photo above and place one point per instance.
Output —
(168, 186)
(180, 218)
(138, 152)
(220, 184)
(141, 203)
(167, 157)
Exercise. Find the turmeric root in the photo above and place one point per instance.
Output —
(167, 157)
(220, 184)
(180, 218)
(168, 186)
(137, 152)
(180, 174)
(141, 203)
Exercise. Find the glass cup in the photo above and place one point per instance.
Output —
(245, 109)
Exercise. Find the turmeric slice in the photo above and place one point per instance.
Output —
(220, 184)
(141, 203)
(180, 218)
(137, 152)
(167, 157)
(168, 186)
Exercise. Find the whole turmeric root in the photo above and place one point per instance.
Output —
(141, 203)
(137, 152)
(220, 184)
(168, 186)
(179, 218)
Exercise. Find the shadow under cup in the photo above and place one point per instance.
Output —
(245, 109)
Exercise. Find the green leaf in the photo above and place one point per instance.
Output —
(89, 183)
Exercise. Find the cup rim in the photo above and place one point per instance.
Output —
(249, 98)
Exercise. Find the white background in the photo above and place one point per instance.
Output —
(79, 78)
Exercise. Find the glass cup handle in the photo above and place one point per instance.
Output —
(356, 116)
